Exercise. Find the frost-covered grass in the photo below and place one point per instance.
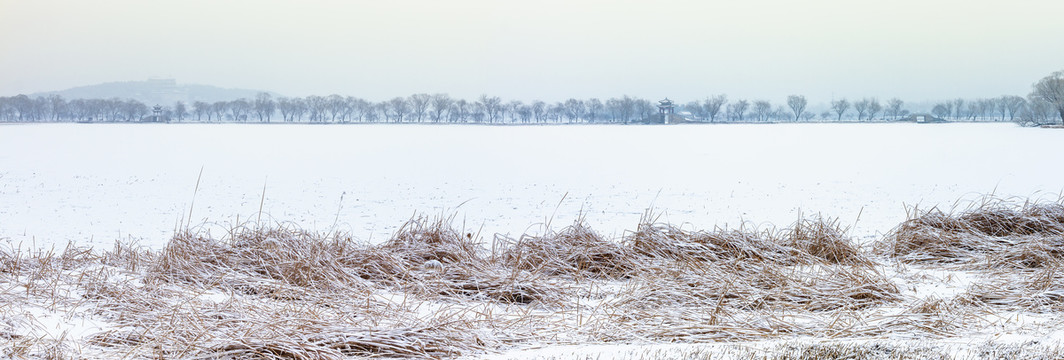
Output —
(805, 291)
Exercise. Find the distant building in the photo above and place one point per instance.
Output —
(666, 108)
(157, 115)
(923, 119)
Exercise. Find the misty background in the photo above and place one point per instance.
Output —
(920, 51)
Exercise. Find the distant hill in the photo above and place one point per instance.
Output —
(155, 91)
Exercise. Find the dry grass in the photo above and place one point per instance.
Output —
(433, 291)
(992, 233)
(1040, 290)
(575, 251)
(1015, 247)
(807, 241)
(465, 271)
(422, 239)
(815, 349)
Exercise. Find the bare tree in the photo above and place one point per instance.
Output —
(622, 109)
(894, 108)
(419, 106)
(299, 108)
(539, 110)
(975, 109)
(264, 106)
(398, 107)
(862, 107)
(284, 106)
(201, 108)
(712, 106)
(1038, 110)
(1000, 107)
(644, 108)
(317, 106)
(511, 110)
(377, 111)
(574, 109)
(477, 112)
(56, 106)
(613, 107)
(941, 110)
(218, 109)
(958, 109)
(460, 110)
(696, 109)
(71, 111)
(21, 105)
(78, 108)
(42, 109)
(492, 107)
(1014, 104)
(440, 104)
(840, 107)
(874, 108)
(594, 109)
(763, 109)
(1051, 90)
(986, 108)
(180, 110)
(134, 110)
(738, 109)
(108, 109)
(525, 113)
(7, 110)
(628, 109)
(348, 109)
(797, 104)
(334, 105)
(239, 109)
(556, 112)
(945, 109)
(780, 114)
(361, 109)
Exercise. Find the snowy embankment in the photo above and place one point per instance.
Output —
(92, 184)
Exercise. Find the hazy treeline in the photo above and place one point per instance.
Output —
(1045, 104)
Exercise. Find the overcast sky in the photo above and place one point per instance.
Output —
(917, 50)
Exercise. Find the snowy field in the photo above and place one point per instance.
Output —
(92, 184)
(983, 284)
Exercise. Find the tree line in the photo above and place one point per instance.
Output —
(1042, 106)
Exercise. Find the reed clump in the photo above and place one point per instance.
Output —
(992, 233)
(724, 278)
(665, 241)
(423, 239)
(807, 241)
(437, 260)
(252, 257)
(575, 251)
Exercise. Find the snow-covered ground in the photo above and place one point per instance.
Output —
(95, 183)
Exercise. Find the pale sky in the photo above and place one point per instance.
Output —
(917, 50)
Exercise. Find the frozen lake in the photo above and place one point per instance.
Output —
(95, 183)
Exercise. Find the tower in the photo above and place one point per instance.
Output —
(666, 108)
